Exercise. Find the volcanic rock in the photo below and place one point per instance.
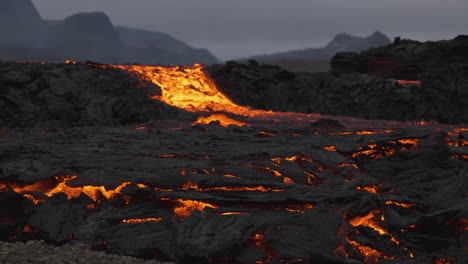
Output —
(412, 58)
(441, 96)
(40, 252)
(284, 187)
(75, 95)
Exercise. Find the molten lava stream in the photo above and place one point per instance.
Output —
(188, 88)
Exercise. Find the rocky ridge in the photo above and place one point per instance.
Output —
(413, 58)
(441, 97)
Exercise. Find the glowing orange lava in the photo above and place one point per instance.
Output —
(186, 207)
(404, 205)
(221, 118)
(369, 189)
(370, 221)
(330, 148)
(409, 82)
(59, 184)
(371, 256)
(188, 88)
(193, 186)
(141, 220)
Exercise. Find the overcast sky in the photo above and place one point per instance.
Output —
(236, 28)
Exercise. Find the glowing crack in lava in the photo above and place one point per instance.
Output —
(409, 82)
(58, 184)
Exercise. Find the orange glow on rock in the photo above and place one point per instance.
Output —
(233, 213)
(288, 180)
(186, 207)
(274, 172)
(409, 82)
(264, 133)
(370, 221)
(221, 118)
(371, 256)
(60, 185)
(299, 209)
(404, 205)
(446, 260)
(141, 220)
(330, 148)
(369, 189)
(188, 88)
(192, 186)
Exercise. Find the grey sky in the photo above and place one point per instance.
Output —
(235, 28)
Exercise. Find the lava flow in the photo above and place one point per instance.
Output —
(188, 88)
(287, 185)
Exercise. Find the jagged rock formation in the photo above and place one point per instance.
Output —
(25, 36)
(413, 59)
(442, 96)
(309, 59)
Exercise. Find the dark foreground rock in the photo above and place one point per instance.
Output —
(442, 96)
(39, 252)
(300, 192)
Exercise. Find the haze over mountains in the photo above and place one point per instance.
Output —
(317, 59)
(24, 35)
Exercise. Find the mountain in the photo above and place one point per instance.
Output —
(317, 59)
(20, 24)
(151, 47)
(86, 36)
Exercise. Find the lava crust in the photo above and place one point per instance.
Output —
(254, 187)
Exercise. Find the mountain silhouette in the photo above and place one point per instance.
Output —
(24, 35)
(317, 59)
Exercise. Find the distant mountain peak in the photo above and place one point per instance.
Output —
(342, 42)
(20, 22)
(346, 42)
(378, 35)
(95, 24)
